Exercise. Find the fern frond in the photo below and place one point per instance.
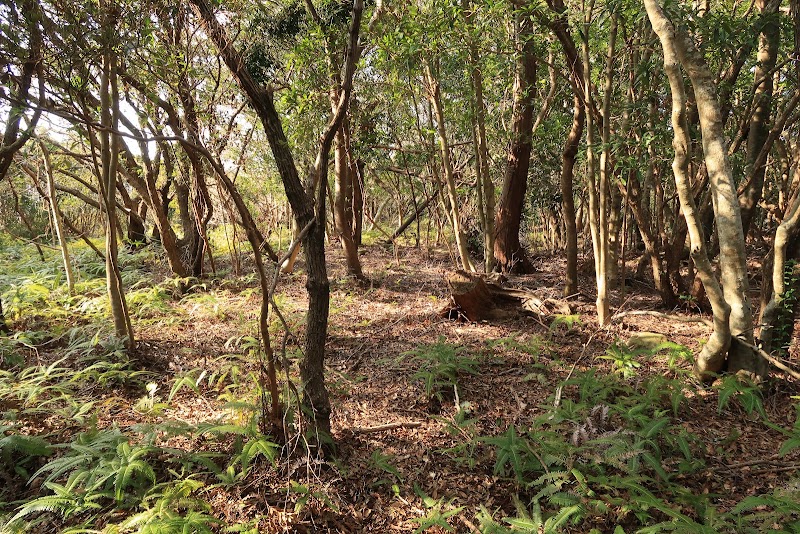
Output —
(27, 445)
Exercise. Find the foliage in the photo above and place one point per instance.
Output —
(438, 512)
(628, 357)
(440, 366)
(603, 456)
(564, 323)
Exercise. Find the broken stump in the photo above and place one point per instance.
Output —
(475, 299)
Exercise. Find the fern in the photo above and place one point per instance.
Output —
(441, 364)
(25, 445)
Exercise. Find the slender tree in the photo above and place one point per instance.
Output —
(309, 211)
(732, 315)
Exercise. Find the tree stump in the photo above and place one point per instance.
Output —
(475, 299)
(471, 296)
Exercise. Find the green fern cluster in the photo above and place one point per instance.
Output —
(440, 365)
(154, 489)
(601, 456)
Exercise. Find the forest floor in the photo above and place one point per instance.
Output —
(444, 462)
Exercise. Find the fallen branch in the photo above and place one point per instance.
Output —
(681, 318)
(774, 459)
(770, 358)
(387, 426)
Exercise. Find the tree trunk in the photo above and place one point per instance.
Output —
(731, 309)
(57, 220)
(159, 201)
(778, 310)
(474, 299)
(343, 201)
(414, 216)
(109, 98)
(202, 207)
(560, 28)
(597, 191)
(357, 170)
(12, 140)
(759, 120)
(486, 191)
(608, 224)
(508, 252)
(137, 233)
(315, 394)
(435, 98)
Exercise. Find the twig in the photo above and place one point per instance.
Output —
(387, 426)
(772, 459)
(793, 467)
(470, 525)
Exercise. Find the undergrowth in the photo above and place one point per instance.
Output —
(96, 439)
(608, 454)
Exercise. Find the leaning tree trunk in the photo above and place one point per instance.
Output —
(12, 139)
(435, 98)
(109, 102)
(57, 219)
(731, 308)
(560, 27)
(508, 252)
(777, 315)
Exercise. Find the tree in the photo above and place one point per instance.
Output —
(109, 154)
(732, 315)
(19, 82)
(309, 211)
(560, 27)
(58, 223)
(508, 252)
(435, 97)
(762, 107)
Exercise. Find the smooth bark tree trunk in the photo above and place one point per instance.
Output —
(508, 252)
(560, 27)
(109, 101)
(435, 98)
(485, 186)
(357, 169)
(731, 308)
(58, 224)
(759, 121)
(777, 313)
(608, 224)
(596, 191)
